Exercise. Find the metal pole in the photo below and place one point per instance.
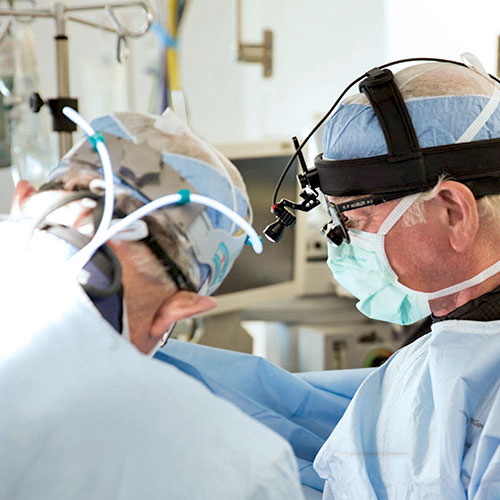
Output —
(62, 62)
(59, 13)
(27, 13)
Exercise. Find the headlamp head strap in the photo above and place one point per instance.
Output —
(392, 114)
(394, 119)
(470, 161)
(417, 169)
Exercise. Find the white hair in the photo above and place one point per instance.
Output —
(488, 207)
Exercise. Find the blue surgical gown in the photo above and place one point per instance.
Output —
(303, 408)
(424, 425)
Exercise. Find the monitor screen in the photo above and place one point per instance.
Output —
(257, 278)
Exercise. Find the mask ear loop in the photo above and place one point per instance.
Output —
(396, 214)
(78, 261)
(398, 211)
(482, 117)
(162, 342)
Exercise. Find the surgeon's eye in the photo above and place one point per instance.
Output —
(351, 223)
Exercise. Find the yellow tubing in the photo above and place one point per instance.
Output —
(172, 63)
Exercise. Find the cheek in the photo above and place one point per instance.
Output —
(414, 256)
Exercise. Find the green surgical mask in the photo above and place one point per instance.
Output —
(363, 269)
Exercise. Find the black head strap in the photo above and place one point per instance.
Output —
(175, 272)
(392, 114)
(469, 161)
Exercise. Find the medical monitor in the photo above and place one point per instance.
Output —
(276, 274)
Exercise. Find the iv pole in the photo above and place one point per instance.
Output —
(62, 13)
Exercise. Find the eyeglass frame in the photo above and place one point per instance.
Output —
(336, 211)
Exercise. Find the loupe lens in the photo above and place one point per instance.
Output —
(337, 234)
(336, 231)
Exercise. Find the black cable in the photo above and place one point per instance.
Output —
(174, 271)
(304, 142)
(116, 281)
(330, 111)
(433, 59)
(77, 195)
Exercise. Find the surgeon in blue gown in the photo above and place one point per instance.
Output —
(427, 423)
(303, 408)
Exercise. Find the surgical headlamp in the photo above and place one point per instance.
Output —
(405, 169)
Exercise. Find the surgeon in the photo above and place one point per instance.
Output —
(411, 170)
(89, 292)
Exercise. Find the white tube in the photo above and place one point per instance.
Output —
(78, 261)
(76, 118)
(237, 219)
(102, 150)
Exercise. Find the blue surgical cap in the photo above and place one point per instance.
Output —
(443, 100)
(213, 239)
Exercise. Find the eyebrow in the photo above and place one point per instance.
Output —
(341, 199)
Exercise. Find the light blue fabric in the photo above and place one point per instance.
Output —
(303, 408)
(311, 493)
(207, 181)
(354, 131)
(425, 424)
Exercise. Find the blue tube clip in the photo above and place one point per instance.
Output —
(94, 139)
(248, 241)
(185, 197)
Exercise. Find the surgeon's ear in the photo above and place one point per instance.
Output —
(180, 305)
(22, 192)
(460, 214)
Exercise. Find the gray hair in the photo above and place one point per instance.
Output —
(488, 207)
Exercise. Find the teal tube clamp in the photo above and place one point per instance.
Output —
(185, 197)
(248, 241)
(94, 139)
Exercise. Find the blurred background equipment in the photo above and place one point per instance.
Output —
(26, 143)
(261, 53)
(279, 273)
(62, 13)
(24, 137)
(166, 82)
